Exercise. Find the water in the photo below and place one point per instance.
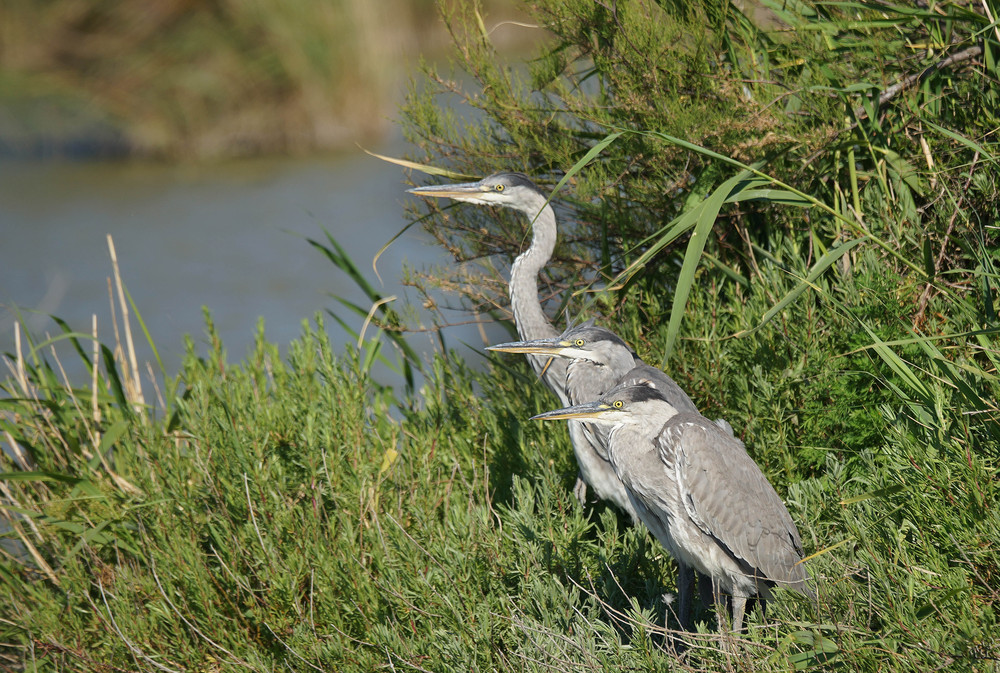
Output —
(231, 237)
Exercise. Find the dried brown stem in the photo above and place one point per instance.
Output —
(911, 80)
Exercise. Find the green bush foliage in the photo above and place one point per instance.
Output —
(837, 306)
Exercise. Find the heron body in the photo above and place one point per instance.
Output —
(598, 360)
(699, 492)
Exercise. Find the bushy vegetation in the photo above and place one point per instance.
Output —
(815, 268)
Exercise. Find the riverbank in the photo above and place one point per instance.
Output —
(826, 286)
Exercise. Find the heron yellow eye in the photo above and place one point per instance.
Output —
(579, 342)
(617, 404)
(499, 188)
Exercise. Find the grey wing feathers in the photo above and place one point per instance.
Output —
(730, 499)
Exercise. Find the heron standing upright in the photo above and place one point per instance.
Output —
(699, 491)
(517, 191)
(598, 359)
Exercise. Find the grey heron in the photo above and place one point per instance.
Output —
(517, 191)
(699, 492)
(598, 359)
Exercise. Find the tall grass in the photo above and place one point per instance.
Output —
(291, 514)
(273, 514)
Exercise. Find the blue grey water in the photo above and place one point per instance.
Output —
(231, 237)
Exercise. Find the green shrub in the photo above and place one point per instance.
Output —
(292, 514)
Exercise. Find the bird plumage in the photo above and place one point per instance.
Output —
(598, 359)
(699, 492)
(517, 191)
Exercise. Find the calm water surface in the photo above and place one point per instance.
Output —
(231, 237)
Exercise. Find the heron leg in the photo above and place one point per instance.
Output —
(580, 490)
(739, 606)
(705, 591)
(685, 587)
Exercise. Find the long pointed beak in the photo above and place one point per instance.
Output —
(456, 191)
(538, 346)
(589, 410)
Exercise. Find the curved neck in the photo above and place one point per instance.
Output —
(527, 308)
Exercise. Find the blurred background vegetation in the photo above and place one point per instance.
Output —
(204, 79)
(793, 206)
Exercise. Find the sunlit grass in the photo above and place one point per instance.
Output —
(272, 513)
(288, 513)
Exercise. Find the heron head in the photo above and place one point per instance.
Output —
(633, 401)
(587, 342)
(513, 190)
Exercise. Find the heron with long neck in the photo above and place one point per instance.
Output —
(516, 191)
(574, 377)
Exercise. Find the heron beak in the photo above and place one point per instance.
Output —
(550, 347)
(456, 191)
(589, 410)
(538, 347)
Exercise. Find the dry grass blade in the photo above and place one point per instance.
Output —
(132, 380)
(423, 168)
(11, 519)
(95, 408)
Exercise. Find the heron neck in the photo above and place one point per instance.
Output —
(527, 308)
(588, 381)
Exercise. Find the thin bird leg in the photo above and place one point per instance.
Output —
(580, 490)
(685, 587)
(739, 605)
